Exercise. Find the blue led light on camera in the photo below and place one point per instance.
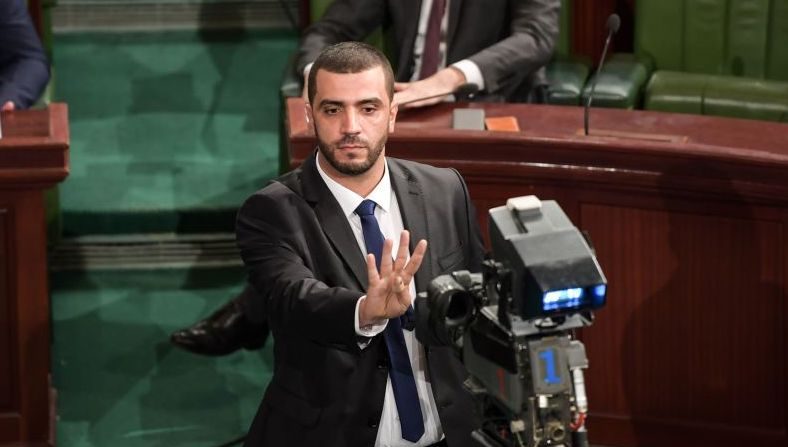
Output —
(562, 299)
(600, 290)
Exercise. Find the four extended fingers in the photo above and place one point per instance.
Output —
(403, 266)
(395, 275)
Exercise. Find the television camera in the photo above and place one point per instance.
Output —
(513, 325)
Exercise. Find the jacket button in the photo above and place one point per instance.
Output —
(373, 422)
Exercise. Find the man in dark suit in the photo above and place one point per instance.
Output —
(499, 45)
(347, 371)
(24, 69)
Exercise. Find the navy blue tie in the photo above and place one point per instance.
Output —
(401, 374)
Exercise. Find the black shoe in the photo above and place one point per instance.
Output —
(224, 332)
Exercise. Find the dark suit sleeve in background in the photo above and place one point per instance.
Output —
(343, 20)
(534, 31)
(24, 68)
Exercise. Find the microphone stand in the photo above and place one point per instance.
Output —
(613, 22)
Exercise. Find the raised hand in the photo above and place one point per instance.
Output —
(388, 294)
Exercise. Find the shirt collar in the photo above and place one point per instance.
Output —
(349, 200)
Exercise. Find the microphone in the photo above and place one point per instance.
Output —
(463, 92)
(613, 23)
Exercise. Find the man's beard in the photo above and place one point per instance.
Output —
(328, 151)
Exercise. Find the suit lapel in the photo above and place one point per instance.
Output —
(333, 221)
(413, 208)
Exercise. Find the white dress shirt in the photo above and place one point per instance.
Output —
(468, 68)
(389, 219)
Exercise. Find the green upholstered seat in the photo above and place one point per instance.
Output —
(619, 83)
(566, 80)
(754, 99)
(566, 75)
(715, 57)
(672, 91)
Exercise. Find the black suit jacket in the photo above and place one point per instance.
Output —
(510, 40)
(304, 260)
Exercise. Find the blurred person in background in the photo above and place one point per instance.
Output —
(24, 68)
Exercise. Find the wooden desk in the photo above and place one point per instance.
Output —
(33, 157)
(692, 233)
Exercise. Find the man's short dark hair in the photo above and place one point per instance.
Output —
(350, 57)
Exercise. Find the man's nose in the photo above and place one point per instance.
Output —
(350, 122)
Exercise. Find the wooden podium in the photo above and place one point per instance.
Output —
(689, 218)
(33, 157)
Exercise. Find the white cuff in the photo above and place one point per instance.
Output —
(471, 71)
(371, 330)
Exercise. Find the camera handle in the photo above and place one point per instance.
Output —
(498, 281)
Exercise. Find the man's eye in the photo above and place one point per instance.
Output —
(331, 110)
(370, 109)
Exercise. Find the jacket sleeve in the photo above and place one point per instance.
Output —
(275, 252)
(24, 68)
(534, 30)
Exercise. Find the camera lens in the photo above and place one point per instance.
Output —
(459, 308)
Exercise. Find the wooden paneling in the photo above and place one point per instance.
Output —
(26, 354)
(589, 20)
(33, 156)
(697, 314)
(691, 348)
(7, 326)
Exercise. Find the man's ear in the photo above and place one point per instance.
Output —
(393, 115)
(308, 113)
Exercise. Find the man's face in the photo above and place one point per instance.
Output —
(352, 117)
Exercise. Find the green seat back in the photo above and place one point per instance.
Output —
(746, 38)
(566, 74)
(778, 41)
(563, 48)
(681, 92)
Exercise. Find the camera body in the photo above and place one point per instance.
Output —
(513, 325)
